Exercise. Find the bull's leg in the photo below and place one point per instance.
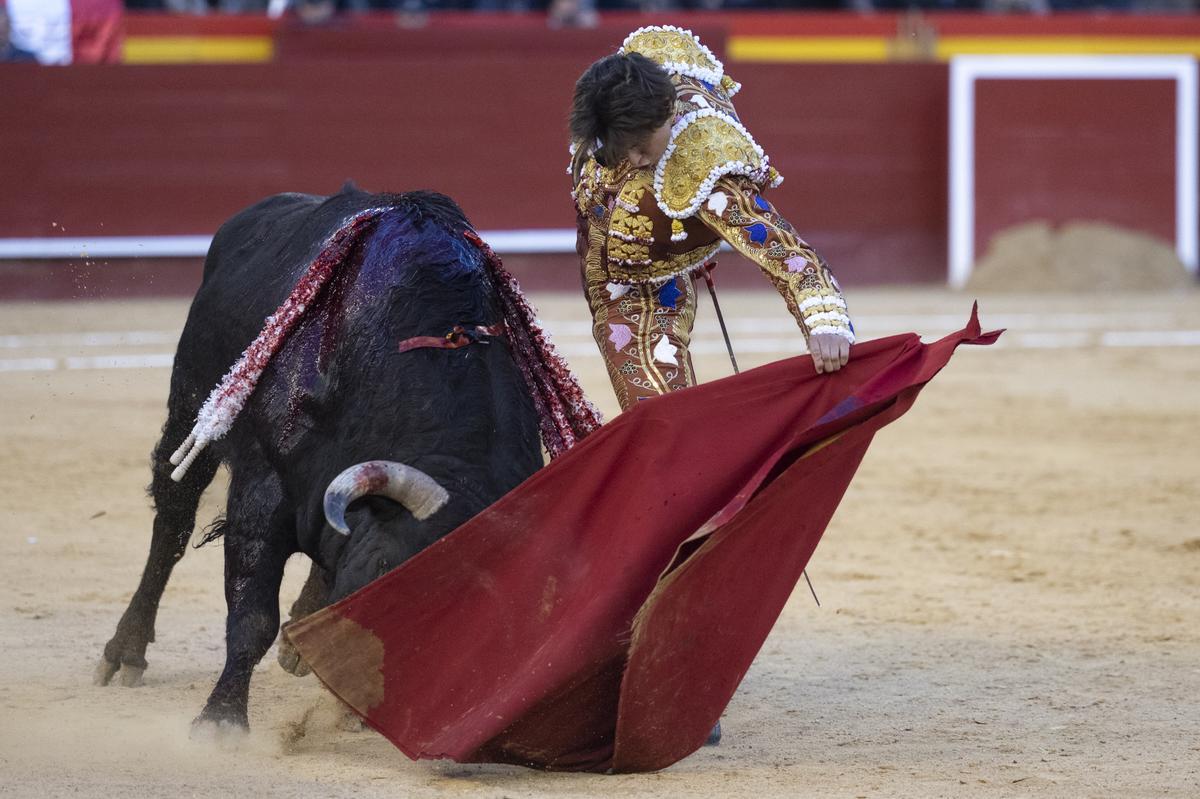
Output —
(174, 517)
(258, 542)
(313, 596)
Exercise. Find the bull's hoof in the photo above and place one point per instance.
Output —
(219, 724)
(129, 676)
(104, 671)
(348, 720)
(223, 732)
(289, 658)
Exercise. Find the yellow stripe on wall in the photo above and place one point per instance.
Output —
(807, 48)
(1067, 45)
(198, 49)
(777, 49)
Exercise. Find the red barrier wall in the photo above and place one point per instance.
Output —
(176, 149)
(479, 113)
(1062, 150)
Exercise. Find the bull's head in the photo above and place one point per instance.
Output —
(418, 493)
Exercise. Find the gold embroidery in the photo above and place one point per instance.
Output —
(596, 189)
(635, 187)
(672, 46)
(700, 151)
(593, 268)
(659, 270)
(797, 272)
(636, 252)
(634, 371)
(635, 225)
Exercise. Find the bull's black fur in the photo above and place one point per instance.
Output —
(337, 393)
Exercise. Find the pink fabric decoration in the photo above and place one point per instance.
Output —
(565, 414)
(620, 336)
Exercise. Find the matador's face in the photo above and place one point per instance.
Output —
(649, 151)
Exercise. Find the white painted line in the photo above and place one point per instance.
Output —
(506, 242)
(96, 339)
(106, 247)
(582, 347)
(783, 325)
(1186, 171)
(962, 172)
(965, 70)
(1151, 338)
(530, 241)
(779, 324)
(1035, 341)
(157, 360)
(546, 240)
(28, 364)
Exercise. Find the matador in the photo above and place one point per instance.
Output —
(644, 232)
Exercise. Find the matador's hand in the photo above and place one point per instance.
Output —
(829, 351)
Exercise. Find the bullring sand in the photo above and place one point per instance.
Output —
(1011, 588)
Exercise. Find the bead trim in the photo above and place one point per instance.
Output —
(711, 75)
(830, 299)
(837, 331)
(759, 173)
(697, 263)
(828, 316)
(626, 237)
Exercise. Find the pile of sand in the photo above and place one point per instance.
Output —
(1080, 256)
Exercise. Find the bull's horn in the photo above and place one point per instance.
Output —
(411, 487)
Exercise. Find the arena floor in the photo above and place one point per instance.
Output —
(1010, 590)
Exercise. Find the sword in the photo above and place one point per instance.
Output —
(712, 292)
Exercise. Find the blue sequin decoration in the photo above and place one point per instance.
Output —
(761, 203)
(669, 294)
(758, 232)
(598, 210)
(706, 85)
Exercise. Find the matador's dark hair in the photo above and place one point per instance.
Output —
(619, 101)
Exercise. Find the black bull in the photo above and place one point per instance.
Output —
(337, 393)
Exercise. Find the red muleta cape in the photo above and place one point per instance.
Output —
(601, 615)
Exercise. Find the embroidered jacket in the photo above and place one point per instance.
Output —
(646, 225)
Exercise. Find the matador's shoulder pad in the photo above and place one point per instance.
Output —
(707, 139)
(679, 52)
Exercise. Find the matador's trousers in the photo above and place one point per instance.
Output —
(643, 331)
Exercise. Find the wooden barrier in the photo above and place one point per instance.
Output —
(476, 112)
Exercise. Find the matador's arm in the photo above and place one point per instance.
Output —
(739, 213)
